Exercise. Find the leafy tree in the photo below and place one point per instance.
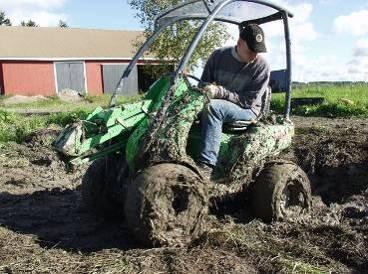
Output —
(29, 23)
(174, 40)
(3, 20)
(63, 24)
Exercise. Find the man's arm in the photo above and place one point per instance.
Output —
(248, 97)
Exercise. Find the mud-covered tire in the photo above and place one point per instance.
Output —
(166, 205)
(102, 193)
(281, 192)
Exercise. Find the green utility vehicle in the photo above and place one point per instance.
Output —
(144, 153)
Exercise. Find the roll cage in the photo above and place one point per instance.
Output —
(261, 11)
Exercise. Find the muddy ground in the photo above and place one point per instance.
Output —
(44, 227)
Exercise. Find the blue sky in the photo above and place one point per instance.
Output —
(330, 37)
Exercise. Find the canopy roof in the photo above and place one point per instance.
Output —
(235, 11)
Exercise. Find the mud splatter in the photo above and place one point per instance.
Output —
(46, 229)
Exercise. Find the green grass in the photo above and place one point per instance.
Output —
(335, 96)
(54, 104)
(15, 125)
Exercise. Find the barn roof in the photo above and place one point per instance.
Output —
(41, 43)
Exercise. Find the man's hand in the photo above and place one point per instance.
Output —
(215, 92)
(211, 91)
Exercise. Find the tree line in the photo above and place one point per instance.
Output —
(5, 21)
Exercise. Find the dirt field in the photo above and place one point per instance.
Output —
(44, 227)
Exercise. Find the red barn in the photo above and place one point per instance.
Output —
(44, 61)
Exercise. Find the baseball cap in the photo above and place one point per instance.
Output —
(254, 36)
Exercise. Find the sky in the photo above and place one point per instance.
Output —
(329, 37)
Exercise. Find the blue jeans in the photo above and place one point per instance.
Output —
(213, 116)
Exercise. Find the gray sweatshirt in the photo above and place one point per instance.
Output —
(243, 83)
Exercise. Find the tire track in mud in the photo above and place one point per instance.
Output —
(39, 197)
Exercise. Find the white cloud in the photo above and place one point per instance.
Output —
(330, 68)
(308, 65)
(355, 23)
(361, 48)
(322, 68)
(302, 29)
(301, 26)
(358, 68)
(43, 12)
(302, 33)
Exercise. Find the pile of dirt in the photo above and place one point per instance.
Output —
(45, 228)
(334, 153)
(69, 95)
(34, 166)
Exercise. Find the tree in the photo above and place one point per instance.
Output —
(3, 20)
(63, 24)
(29, 23)
(174, 40)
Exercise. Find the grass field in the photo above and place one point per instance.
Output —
(16, 122)
(54, 104)
(340, 101)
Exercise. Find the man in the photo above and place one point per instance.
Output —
(238, 78)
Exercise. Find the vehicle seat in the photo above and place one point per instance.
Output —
(239, 126)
